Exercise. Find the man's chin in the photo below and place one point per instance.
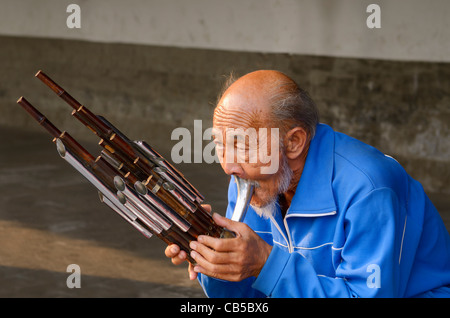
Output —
(258, 203)
(262, 198)
(264, 209)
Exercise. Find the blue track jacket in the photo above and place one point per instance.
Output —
(358, 226)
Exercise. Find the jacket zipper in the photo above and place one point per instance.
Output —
(288, 240)
(290, 246)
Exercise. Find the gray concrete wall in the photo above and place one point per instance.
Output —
(410, 30)
(401, 107)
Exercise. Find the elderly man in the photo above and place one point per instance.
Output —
(337, 219)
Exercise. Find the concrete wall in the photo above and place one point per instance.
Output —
(152, 66)
(410, 30)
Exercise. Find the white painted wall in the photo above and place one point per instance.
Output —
(410, 29)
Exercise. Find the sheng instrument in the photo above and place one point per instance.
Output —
(135, 181)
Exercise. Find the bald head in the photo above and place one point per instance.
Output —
(263, 82)
(267, 97)
(246, 102)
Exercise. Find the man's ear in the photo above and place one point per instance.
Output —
(295, 142)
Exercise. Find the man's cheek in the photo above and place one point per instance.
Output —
(269, 152)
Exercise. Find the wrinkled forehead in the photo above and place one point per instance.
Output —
(226, 117)
(241, 125)
(241, 111)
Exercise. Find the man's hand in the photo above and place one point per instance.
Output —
(178, 256)
(232, 259)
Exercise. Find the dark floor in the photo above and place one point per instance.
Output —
(50, 217)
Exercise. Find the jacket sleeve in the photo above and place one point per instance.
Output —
(369, 258)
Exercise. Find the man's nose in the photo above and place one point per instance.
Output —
(232, 168)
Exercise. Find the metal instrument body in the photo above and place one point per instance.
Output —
(245, 189)
(134, 180)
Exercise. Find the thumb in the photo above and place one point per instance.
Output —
(207, 207)
(226, 223)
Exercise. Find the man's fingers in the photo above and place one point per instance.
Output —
(207, 207)
(237, 227)
(211, 255)
(218, 244)
(173, 251)
(221, 220)
(192, 273)
(216, 271)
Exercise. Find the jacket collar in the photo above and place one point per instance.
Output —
(314, 195)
